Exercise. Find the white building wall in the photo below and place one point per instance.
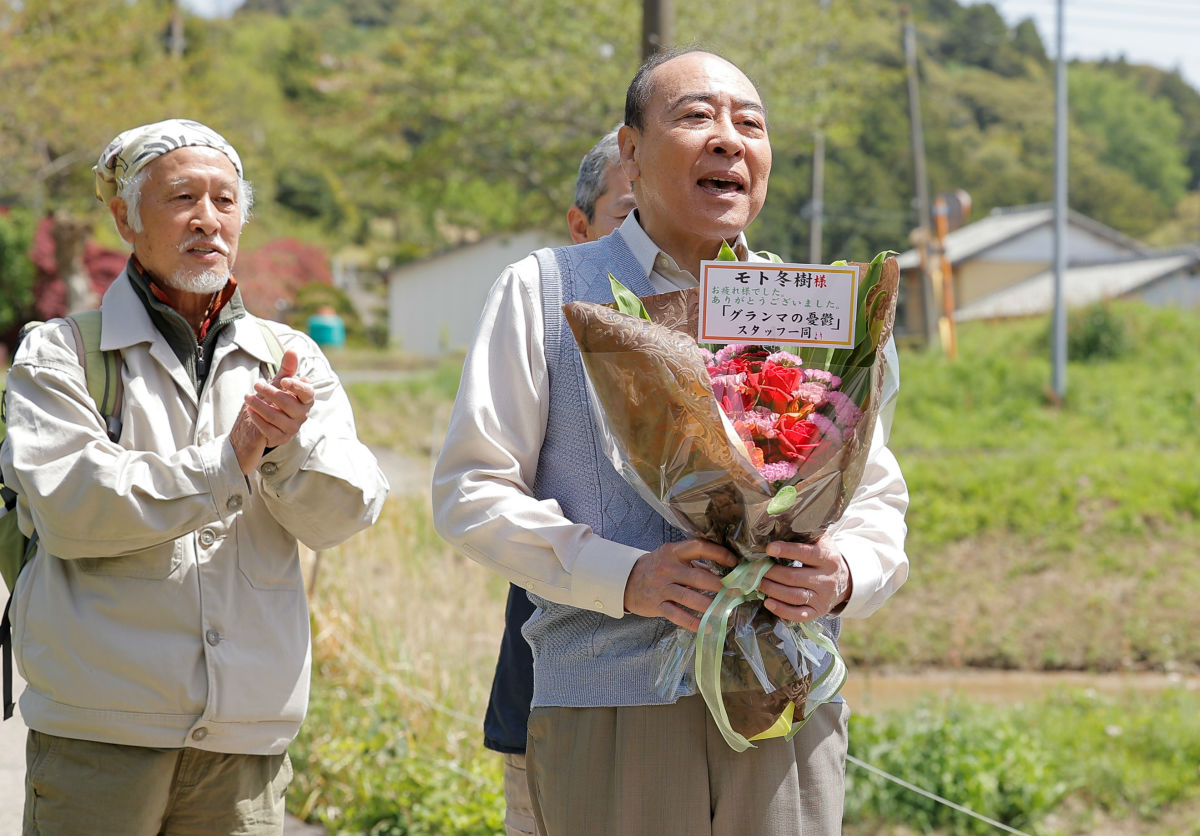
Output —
(434, 304)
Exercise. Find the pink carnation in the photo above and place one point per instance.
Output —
(784, 358)
(847, 411)
(821, 376)
(778, 471)
(830, 434)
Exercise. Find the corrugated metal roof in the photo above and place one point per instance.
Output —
(1002, 225)
(1081, 286)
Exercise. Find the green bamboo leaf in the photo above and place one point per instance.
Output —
(726, 253)
(870, 280)
(627, 301)
(770, 256)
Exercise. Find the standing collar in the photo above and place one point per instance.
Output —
(215, 304)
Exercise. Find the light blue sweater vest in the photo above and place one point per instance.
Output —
(584, 658)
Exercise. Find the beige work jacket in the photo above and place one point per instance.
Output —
(165, 606)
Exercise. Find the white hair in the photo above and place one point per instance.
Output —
(132, 195)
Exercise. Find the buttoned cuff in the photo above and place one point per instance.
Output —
(284, 461)
(600, 575)
(226, 481)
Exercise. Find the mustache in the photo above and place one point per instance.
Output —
(216, 242)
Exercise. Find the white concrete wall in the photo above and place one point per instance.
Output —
(434, 304)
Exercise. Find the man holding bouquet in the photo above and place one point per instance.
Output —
(524, 487)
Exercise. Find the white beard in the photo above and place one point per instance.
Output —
(210, 281)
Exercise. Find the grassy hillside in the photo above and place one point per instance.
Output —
(1050, 536)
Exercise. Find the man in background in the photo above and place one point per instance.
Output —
(603, 197)
(162, 627)
(602, 200)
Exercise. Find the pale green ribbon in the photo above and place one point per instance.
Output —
(739, 586)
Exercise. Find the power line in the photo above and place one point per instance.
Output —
(933, 796)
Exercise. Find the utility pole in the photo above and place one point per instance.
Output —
(922, 236)
(1059, 330)
(175, 40)
(817, 220)
(656, 26)
(815, 223)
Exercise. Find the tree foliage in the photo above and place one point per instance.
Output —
(398, 129)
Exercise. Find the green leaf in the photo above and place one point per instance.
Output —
(726, 253)
(783, 500)
(627, 301)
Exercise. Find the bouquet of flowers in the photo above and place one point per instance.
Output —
(742, 446)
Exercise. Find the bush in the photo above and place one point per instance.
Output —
(16, 273)
(1076, 761)
(1096, 334)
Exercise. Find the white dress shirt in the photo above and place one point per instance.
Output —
(483, 501)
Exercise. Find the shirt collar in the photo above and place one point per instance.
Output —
(653, 260)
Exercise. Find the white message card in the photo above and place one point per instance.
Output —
(780, 304)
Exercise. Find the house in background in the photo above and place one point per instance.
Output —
(1167, 278)
(1003, 265)
(434, 304)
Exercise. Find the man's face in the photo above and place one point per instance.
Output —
(613, 205)
(191, 219)
(609, 212)
(700, 164)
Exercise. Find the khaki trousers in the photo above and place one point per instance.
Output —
(518, 811)
(661, 770)
(80, 786)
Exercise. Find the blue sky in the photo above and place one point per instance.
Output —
(1165, 33)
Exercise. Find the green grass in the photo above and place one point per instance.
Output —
(1071, 763)
(1047, 536)
(405, 634)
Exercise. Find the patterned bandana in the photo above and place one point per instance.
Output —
(136, 148)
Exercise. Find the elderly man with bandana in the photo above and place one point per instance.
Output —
(162, 627)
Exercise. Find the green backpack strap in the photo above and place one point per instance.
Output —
(273, 344)
(101, 369)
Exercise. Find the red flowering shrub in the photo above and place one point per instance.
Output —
(271, 276)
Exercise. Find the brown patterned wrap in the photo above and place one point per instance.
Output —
(668, 437)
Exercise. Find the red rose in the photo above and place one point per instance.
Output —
(777, 386)
(796, 439)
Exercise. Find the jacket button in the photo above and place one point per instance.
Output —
(269, 468)
(234, 502)
(200, 733)
(207, 538)
(599, 604)
(212, 637)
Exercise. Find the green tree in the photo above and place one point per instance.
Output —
(1130, 131)
(75, 72)
(16, 272)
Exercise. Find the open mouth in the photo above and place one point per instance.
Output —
(722, 185)
(203, 248)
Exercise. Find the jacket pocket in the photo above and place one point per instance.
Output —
(155, 563)
(267, 557)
